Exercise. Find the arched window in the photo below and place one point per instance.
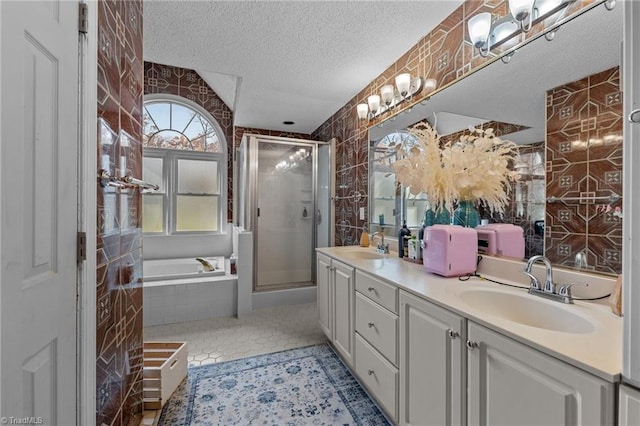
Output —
(390, 202)
(185, 155)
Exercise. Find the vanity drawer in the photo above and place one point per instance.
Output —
(378, 375)
(378, 326)
(378, 291)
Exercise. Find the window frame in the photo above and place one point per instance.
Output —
(170, 158)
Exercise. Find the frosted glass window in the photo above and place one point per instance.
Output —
(152, 171)
(196, 213)
(197, 177)
(153, 213)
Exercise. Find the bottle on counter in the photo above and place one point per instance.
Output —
(232, 264)
(403, 243)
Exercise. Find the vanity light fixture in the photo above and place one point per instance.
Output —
(405, 88)
(521, 10)
(487, 32)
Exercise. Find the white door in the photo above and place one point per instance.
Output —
(39, 184)
(432, 364)
(343, 294)
(631, 230)
(324, 294)
(512, 384)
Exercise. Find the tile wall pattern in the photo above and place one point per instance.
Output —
(119, 232)
(584, 159)
(188, 84)
(444, 54)
(526, 206)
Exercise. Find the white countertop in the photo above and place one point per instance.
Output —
(598, 352)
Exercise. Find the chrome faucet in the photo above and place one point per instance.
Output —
(381, 245)
(549, 286)
(205, 264)
(548, 290)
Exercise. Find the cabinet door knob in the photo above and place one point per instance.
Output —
(371, 289)
(371, 324)
(471, 345)
(452, 333)
(370, 372)
(328, 267)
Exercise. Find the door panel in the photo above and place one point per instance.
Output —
(285, 225)
(39, 182)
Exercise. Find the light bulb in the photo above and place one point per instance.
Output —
(403, 82)
(374, 103)
(363, 111)
(387, 93)
(520, 9)
(430, 85)
(479, 27)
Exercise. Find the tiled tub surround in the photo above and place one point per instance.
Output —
(444, 54)
(584, 159)
(119, 234)
(189, 299)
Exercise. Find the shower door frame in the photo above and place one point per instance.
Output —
(251, 210)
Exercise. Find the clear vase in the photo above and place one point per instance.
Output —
(466, 214)
(439, 216)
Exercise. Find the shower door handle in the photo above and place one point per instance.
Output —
(258, 211)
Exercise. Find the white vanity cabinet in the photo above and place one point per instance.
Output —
(629, 406)
(512, 384)
(324, 294)
(432, 364)
(427, 364)
(377, 340)
(335, 287)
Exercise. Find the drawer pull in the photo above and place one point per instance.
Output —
(452, 334)
(471, 345)
(371, 289)
(371, 325)
(370, 372)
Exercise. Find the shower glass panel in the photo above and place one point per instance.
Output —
(286, 215)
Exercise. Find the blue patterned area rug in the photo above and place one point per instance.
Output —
(306, 386)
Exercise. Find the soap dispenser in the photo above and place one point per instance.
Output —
(364, 238)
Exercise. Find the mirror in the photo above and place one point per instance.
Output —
(561, 100)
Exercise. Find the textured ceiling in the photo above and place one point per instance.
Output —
(273, 61)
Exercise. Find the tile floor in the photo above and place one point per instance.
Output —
(223, 339)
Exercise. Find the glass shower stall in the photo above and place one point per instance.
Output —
(283, 196)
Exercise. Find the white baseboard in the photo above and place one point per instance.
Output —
(292, 296)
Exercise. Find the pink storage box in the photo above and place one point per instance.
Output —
(450, 250)
(504, 239)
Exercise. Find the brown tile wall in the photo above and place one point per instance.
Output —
(188, 84)
(119, 232)
(444, 54)
(584, 159)
(524, 208)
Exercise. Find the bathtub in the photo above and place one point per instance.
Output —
(175, 291)
(174, 269)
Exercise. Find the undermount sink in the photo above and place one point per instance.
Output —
(364, 254)
(528, 310)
